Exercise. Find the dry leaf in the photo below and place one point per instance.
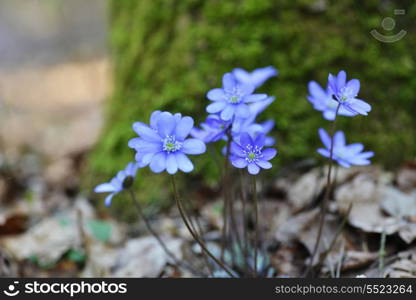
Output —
(144, 257)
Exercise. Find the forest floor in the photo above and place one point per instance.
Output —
(48, 228)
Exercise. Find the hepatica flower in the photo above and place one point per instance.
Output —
(256, 77)
(322, 101)
(250, 153)
(212, 130)
(122, 180)
(164, 144)
(249, 124)
(344, 155)
(346, 93)
(232, 99)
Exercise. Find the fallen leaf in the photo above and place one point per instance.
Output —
(144, 257)
(406, 176)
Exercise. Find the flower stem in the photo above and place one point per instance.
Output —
(226, 194)
(382, 253)
(244, 221)
(191, 231)
(149, 227)
(324, 204)
(256, 222)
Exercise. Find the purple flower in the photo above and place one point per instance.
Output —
(212, 130)
(231, 100)
(164, 144)
(122, 180)
(250, 126)
(256, 77)
(322, 101)
(344, 155)
(346, 93)
(249, 153)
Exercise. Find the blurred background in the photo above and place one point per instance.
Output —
(75, 74)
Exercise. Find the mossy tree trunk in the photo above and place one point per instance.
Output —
(169, 53)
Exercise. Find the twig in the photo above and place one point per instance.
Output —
(156, 235)
(193, 234)
(337, 234)
(382, 253)
(324, 205)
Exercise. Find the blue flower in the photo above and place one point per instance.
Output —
(212, 130)
(164, 144)
(118, 183)
(231, 100)
(250, 154)
(256, 77)
(344, 155)
(250, 126)
(322, 101)
(346, 93)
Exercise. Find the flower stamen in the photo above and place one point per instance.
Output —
(170, 144)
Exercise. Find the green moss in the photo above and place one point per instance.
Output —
(168, 54)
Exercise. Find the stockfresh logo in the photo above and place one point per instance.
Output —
(12, 290)
(68, 288)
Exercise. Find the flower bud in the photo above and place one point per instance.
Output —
(128, 182)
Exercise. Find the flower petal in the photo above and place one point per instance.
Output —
(360, 106)
(228, 112)
(246, 89)
(264, 164)
(236, 150)
(216, 107)
(242, 111)
(147, 147)
(143, 159)
(260, 139)
(158, 163)
(329, 115)
(343, 163)
(131, 169)
(108, 199)
(171, 164)
(318, 94)
(259, 76)
(134, 142)
(269, 153)
(324, 152)
(166, 124)
(145, 132)
(183, 128)
(242, 75)
(184, 163)
(238, 162)
(341, 79)
(354, 86)
(104, 188)
(339, 139)
(153, 119)
(254, 98)
(325, 138)
(216, 95)
(355, 148)
(245, 139)
(228, 82)
(253, 169)
(193, 146)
